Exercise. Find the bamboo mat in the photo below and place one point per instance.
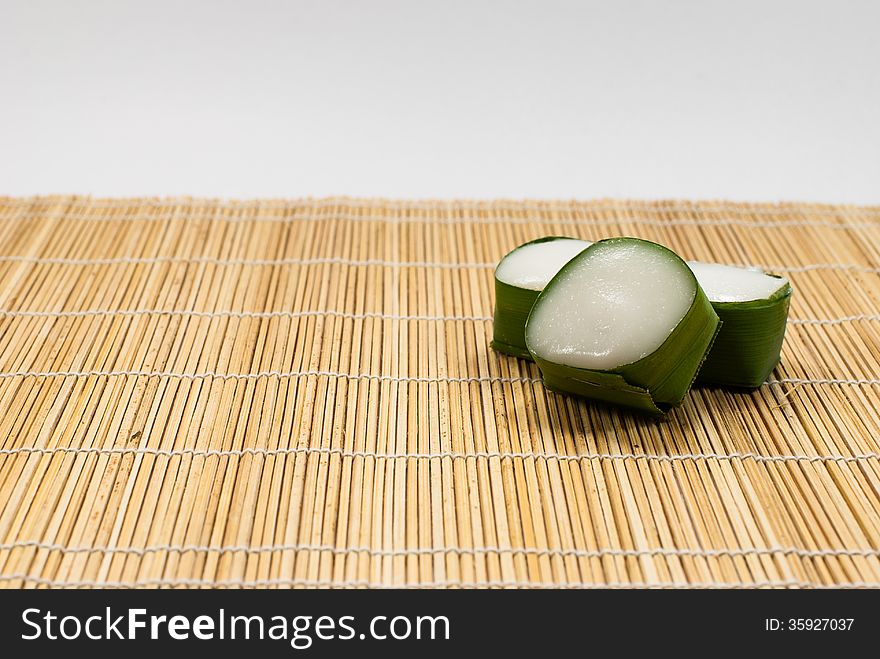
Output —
(301, 393)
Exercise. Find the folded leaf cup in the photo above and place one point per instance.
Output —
(623, 322)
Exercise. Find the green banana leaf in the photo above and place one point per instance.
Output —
(654, 383)
(512, 307)
(744, 353)
(747, 348)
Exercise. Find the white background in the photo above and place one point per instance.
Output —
(766, 100)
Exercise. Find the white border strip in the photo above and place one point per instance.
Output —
(438, 455)
(443, 205)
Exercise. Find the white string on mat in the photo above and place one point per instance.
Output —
(462, 551)
(834, 321)
(268, 374)
(262, 583)
(816, 266)
(321, 260)
(853, 381)
(81, 313)
(220, 375)
(463, 219)
(234, 314)
(435, 455)
(334, 260)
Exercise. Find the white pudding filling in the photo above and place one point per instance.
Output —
(533, 266)
(727, 283)
(613, 305)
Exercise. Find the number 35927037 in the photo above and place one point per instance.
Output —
(808, 624)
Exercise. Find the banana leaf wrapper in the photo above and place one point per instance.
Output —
(655, 383)
(513, 304)
(748, 346)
